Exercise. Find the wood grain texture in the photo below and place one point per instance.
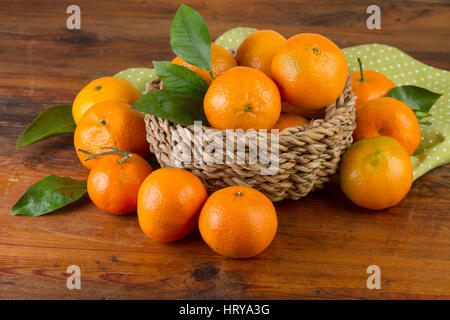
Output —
(324, 243)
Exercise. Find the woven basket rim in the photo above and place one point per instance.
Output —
(156, 84)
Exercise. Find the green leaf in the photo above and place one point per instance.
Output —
(190, 39)
(420, 100)
(174, 106)
(52, 121)
(180, 79)
(49, 194)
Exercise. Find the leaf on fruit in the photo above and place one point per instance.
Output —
(180, 79)
(49, 194)
(190, 39)
(52, 121)
(420, 100)
(177, 107)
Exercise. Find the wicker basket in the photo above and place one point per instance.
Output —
(308, 155)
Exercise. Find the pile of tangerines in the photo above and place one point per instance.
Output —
(273, 83)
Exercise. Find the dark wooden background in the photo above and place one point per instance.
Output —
(324, 243)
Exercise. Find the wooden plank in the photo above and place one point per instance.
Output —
(324, 243)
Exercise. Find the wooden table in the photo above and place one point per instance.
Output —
(324, 242)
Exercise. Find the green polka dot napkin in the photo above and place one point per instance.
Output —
(434, 149)
(137, 76)
(233, 38)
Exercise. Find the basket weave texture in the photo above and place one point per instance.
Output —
(308, 155)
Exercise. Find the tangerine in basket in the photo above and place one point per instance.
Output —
(221, 61)
(238, 222)
(110, 123)
(103, 89)
(242, 98)
(310, 70)
(258, 49)
(312, 114)
(113, 183)
(376, 173)
(369, 84)
(169, 203)
(387, 116)
(288, 120)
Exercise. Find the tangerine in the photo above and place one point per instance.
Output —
(376, 173)
(221, 61)
(238, 222)
(310, 70)
(169, 202)
(107, 124)
(103, 89)
(242, 98)
(258, 49)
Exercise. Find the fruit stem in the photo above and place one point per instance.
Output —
(113, 150)
(361, 71)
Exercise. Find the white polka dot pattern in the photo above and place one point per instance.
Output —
(405, 70)
(233, 38)
(137, 76)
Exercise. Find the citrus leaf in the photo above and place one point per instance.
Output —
(190, 39)
(180, 79)
(174, 106)
(52, 121)
(49, 194)
(420, 100)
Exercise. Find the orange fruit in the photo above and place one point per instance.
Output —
(376, 173)
(310, 70)
(258, 49)
(238, 222)
(106, 124)
(312, 114)
(113, 183)
(243, 98)
(287, 120)
(369, 84)
(169, 203)
(103, 89)
(388, 117)
(221, 61)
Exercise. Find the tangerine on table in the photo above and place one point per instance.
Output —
(107, 124)
(103, 89)
(221, 61)
(369, 84)
(388, 117)
(242, 98)
(288, 120)
(113, 183)
(258, 49)
(169, 203)
(376, 173)
(310, 70)
(238, 222)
